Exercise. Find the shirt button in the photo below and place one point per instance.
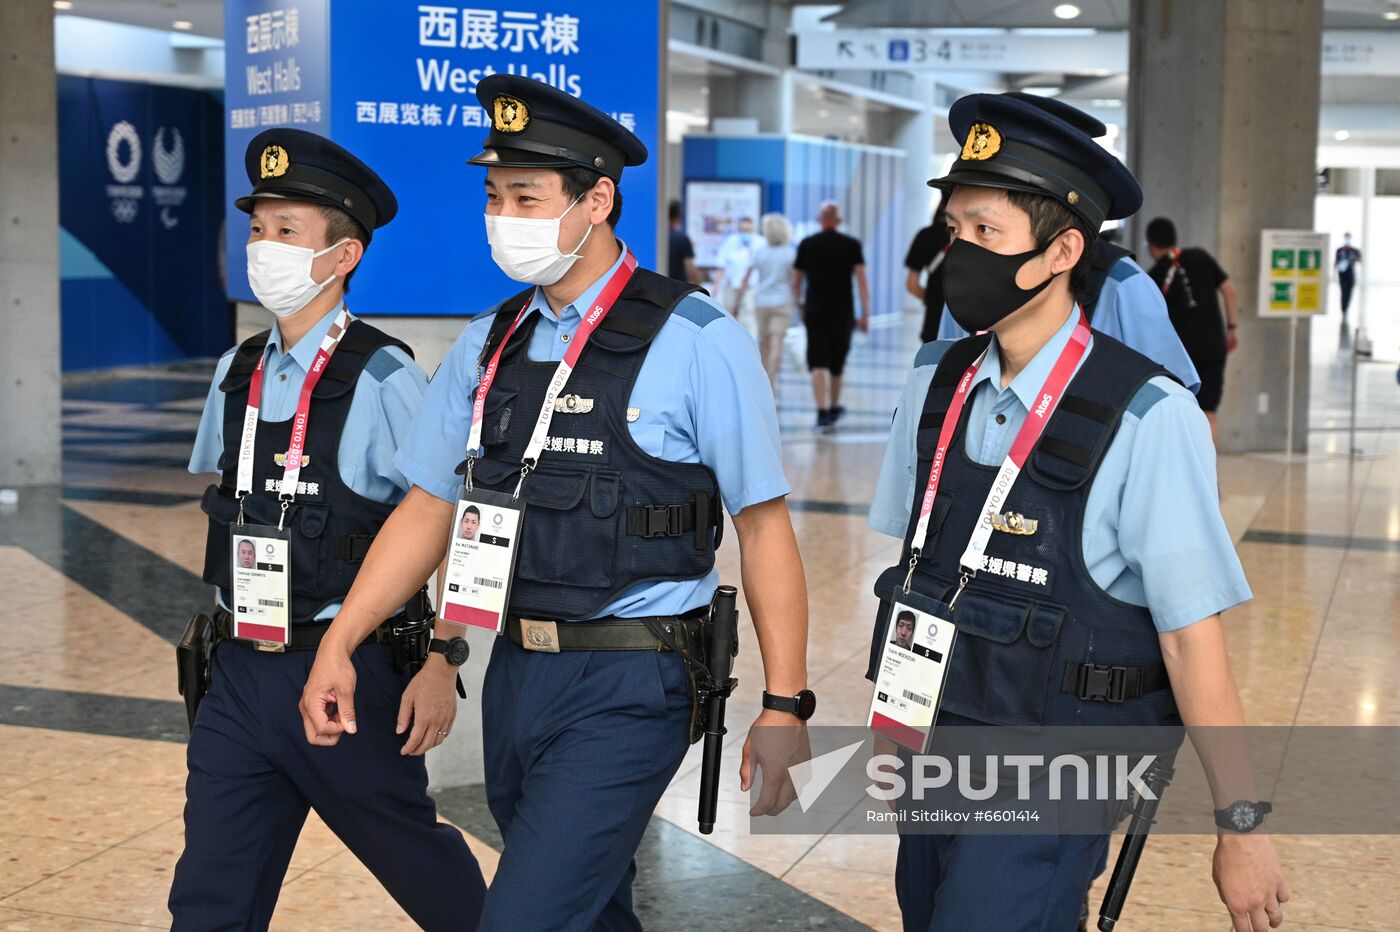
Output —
(1001, 418)
(282, 377)
(564, 338)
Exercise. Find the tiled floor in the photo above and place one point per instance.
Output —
(99, 575)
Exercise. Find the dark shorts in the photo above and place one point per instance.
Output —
(828, 343)
(1212, 384)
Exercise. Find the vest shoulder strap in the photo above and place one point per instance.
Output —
(361, 341)
(1104, 257)
(1085, 421)
(945, 379)
(245, 360)
(642, 309)
(505, 315)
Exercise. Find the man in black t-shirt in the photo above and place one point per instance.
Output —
(1193, 284)
(827, 260)
(926, 253)
(681, 251)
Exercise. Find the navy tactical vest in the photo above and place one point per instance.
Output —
(1039, 643)
(602, 514)
(332, 525)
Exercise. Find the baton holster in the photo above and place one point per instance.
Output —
(688, 636)
(194, 655)
(411, 635)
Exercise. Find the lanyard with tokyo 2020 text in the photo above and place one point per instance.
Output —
(484, 543)
(590, 322)
(1048, 400)
(261, 555)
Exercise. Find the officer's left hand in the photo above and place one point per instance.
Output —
(1250, 880)
(774, 749)
(864, 323)
(1232, 340)
(428, 706)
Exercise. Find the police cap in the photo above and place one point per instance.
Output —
(536, 125)
(297, 165)
(1020, 145)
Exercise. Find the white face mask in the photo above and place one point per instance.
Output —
(280, 275)
(527, 249)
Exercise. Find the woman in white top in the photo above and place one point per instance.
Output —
(770, 277)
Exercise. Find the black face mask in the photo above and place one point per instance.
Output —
(980, 287)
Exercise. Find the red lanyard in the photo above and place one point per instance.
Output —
(590, 322)
(1048, 400)
(292, 465)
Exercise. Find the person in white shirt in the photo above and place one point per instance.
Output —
(768, 277)
(735, 256)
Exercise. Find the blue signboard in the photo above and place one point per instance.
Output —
(401, 90)
(277, 73)
(140, 200)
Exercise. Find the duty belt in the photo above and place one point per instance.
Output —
(651, 633)
(301, 637)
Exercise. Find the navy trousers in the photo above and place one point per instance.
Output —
(579, 747)
(1006, 883)
(253, 777)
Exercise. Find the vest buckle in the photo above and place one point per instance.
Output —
(1096, 683)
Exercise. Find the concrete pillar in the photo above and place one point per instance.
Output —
(915, 133)
(30, 387)
(1224, 98)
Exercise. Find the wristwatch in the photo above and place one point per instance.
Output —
(802, 705)
(455, 651)
(1242, 815)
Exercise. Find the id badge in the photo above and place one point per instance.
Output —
(261, 575)
(481, 559)
(913, 667)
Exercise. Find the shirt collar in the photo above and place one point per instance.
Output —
(590, 294)
(1031, 379)
(305, 350)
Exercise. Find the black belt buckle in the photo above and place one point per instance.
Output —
(1102, 683)
(664, 520)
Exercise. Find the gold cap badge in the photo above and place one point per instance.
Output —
(275, 162)
(1072, 197)
(983, 142)
(511, 115)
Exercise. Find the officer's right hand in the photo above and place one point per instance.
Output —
(328, 701)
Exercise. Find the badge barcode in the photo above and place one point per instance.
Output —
(915, 697)
(271, 603)
(488, 583)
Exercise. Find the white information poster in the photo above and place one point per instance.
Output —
(1294, 267)
(713, 210)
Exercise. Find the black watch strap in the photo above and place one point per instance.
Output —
(455, 651)
(801, 705)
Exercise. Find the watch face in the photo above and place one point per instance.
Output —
(806, 704)
(1242, 816)
(457, 651)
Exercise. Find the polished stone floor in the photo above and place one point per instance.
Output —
(99, 575)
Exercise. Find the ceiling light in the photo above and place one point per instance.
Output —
(182, 25)
(63, 4)
(1342, 135)
(823, 113)
(1391, 15)
(1067, 11)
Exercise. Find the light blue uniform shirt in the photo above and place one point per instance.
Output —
(388, 392)
(704, 398)
(1153, 534)
(1130, 309)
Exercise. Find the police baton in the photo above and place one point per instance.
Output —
(720, 651)
(1143, 816)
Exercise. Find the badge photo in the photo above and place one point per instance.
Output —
(481, 558)
(260, 599)
(913, 664)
